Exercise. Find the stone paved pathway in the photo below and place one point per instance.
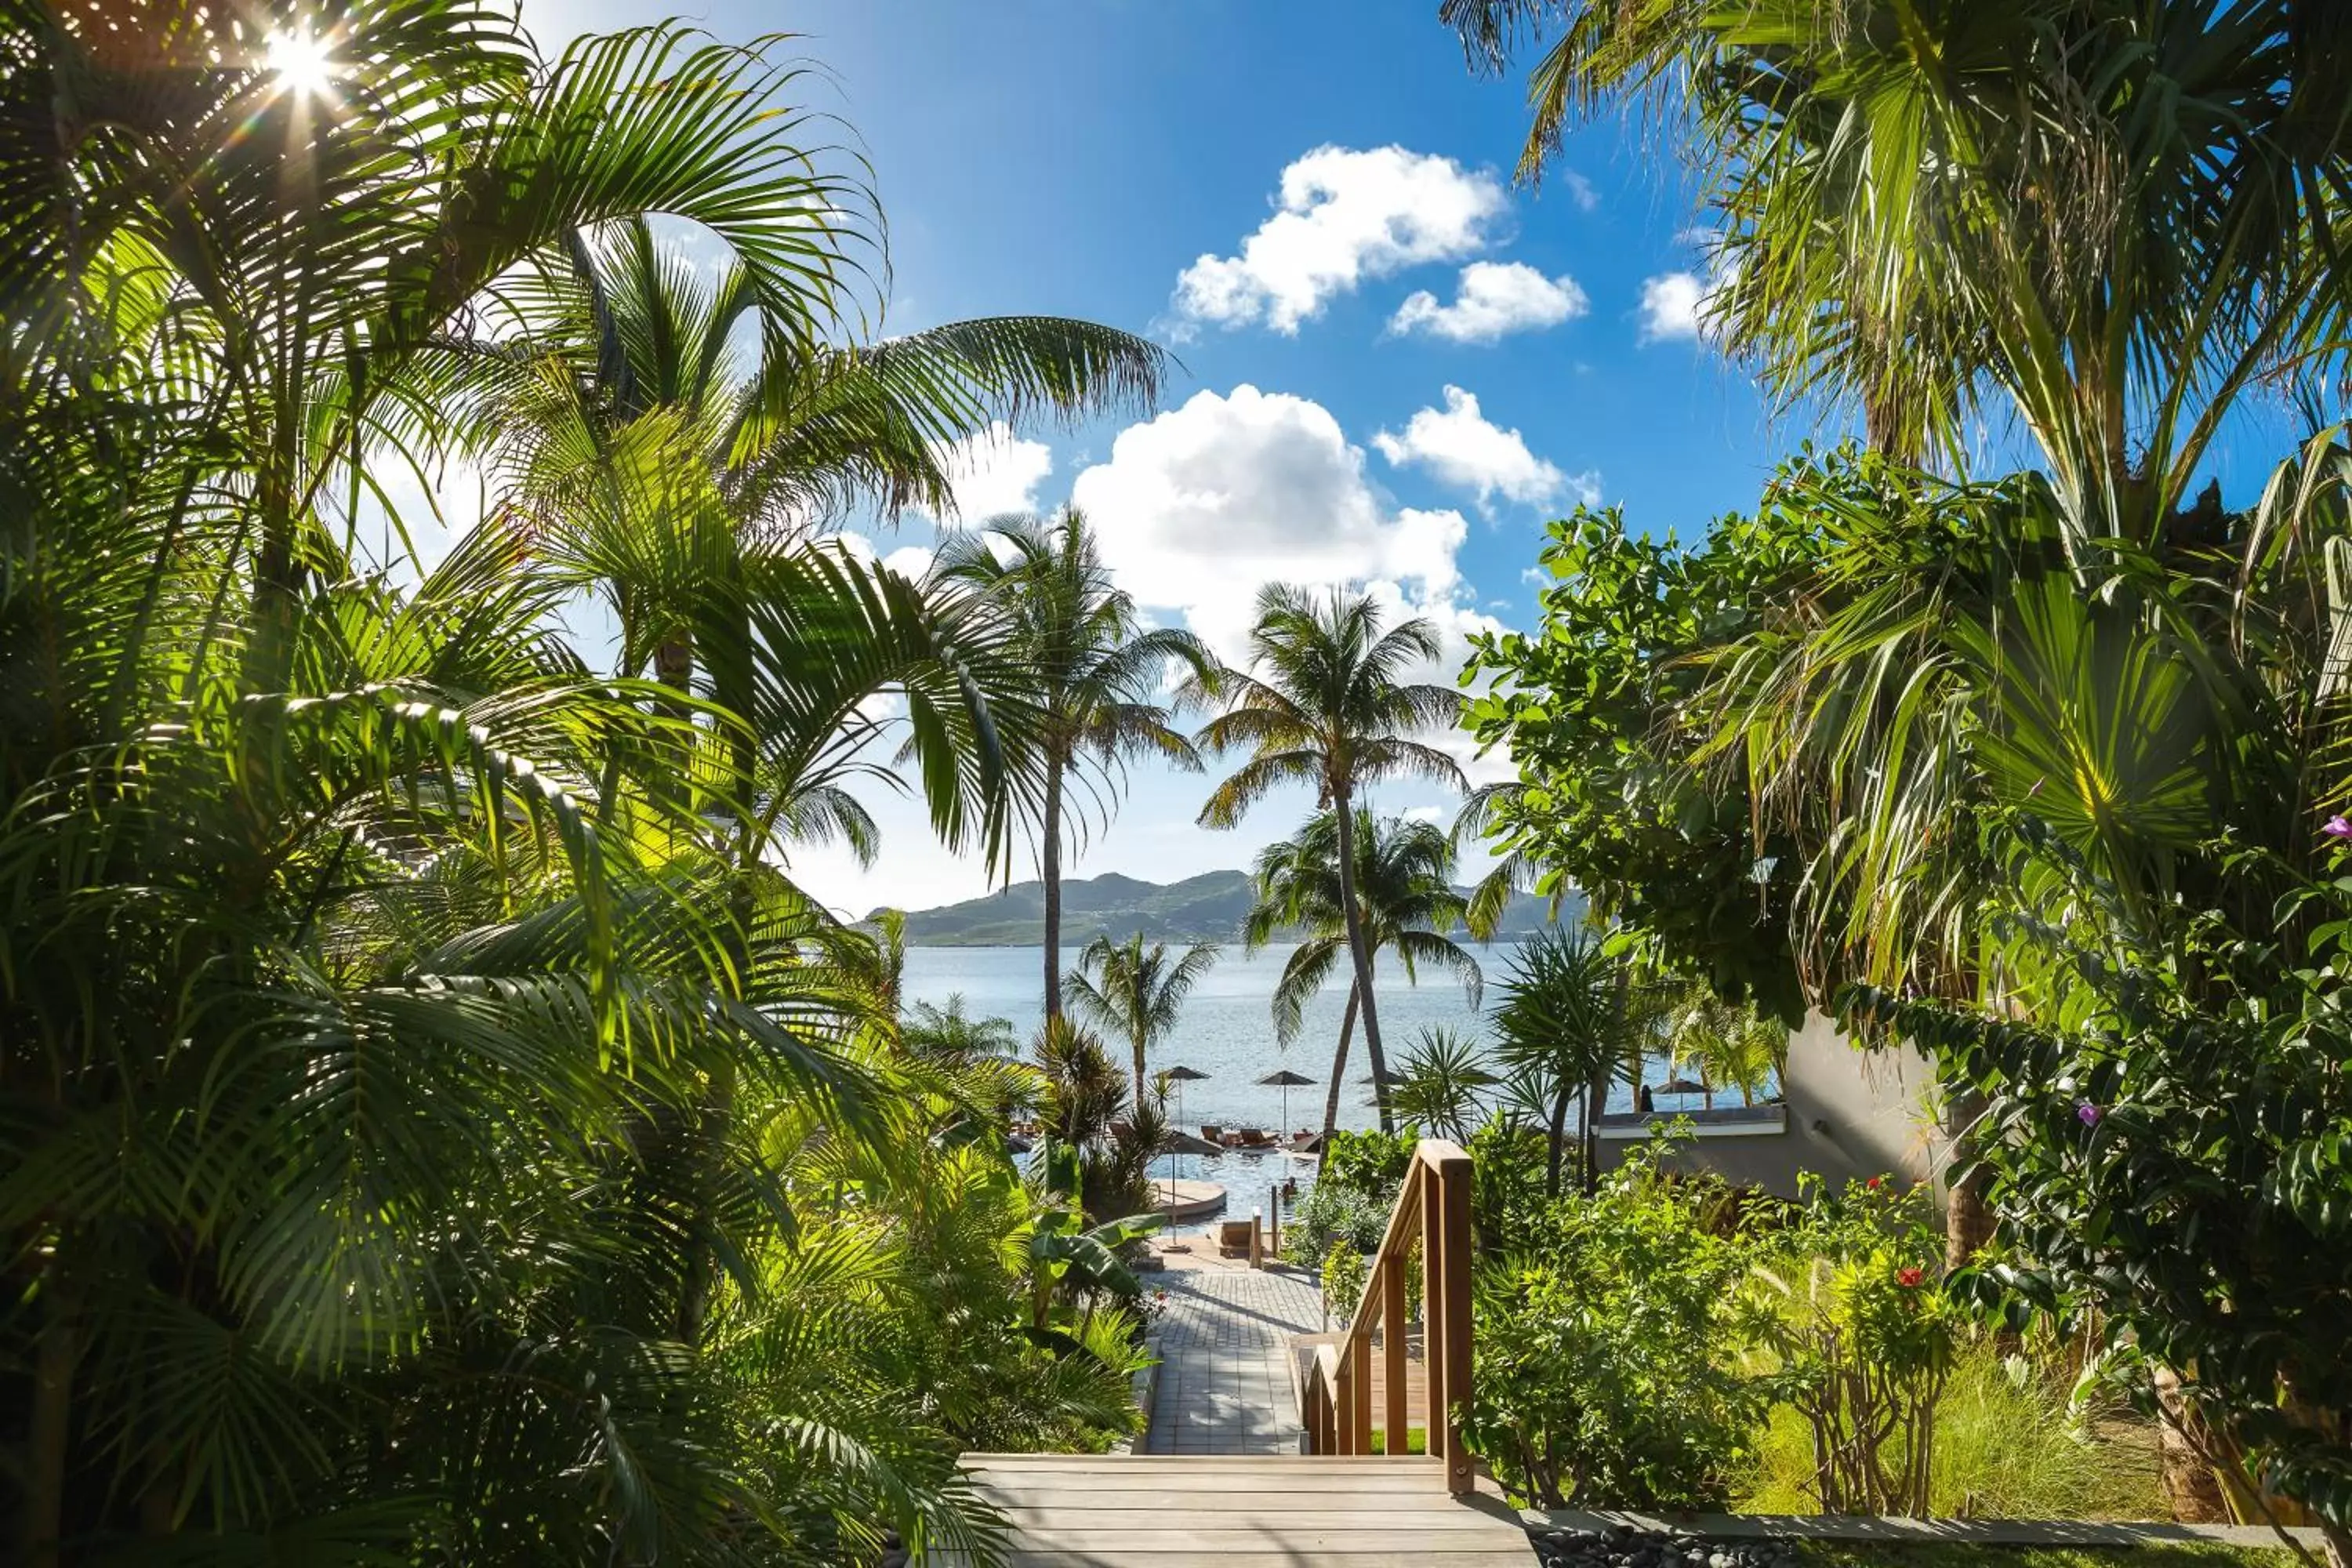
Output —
(1225, 1375)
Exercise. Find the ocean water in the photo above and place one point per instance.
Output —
(1226, 1031)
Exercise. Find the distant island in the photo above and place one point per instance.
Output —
(1206, 908)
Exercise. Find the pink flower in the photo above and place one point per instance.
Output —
(2337, 827)
(1909, 1277)
(2088, 1114)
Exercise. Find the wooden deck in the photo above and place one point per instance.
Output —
(1244, 1511)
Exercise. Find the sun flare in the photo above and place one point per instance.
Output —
(300, 61)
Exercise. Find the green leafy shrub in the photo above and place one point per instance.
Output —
(1850, 1303)
(1506, 1163)
(2170, 1162)
(2007, 1444)
(1344, 1275)
(1607, 1360)
(1370, 1164)
(1330, 1215)
(1354, 1193)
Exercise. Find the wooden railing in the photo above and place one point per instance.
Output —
(1434, 1209)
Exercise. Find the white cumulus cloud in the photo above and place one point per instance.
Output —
(1674, 306)
(995, 471)
(1495, 297)
(1461, 447)
(1200, 507)
(1342, 216)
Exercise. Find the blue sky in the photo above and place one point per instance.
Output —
(1396, 365)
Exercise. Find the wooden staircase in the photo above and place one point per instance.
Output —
(1338, 1504)
(1077, 1511)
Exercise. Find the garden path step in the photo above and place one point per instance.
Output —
(1275, 1511)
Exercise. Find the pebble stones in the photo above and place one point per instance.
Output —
(1621, 1546)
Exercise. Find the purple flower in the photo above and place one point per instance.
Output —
(2088, 1114)
(2337, 827)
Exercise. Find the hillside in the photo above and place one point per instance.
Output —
(1206, 908)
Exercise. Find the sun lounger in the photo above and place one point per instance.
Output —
(1255, 1138)
(1213, 1135)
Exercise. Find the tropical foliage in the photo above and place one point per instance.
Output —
(1355, 1189)
(2041, 767)
(1728, 1044)
(1438, 1092)
(436, 1125)
(1408, 906)
(1097, 672)
(1135, 992)
(1091, 1114)
(1326, 702)
(1564, 1027)
(1601, 1376)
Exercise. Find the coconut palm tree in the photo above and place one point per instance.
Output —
(1404, 889)
(1125, 990)
(1098, 674)
(648, 467)
(1326, 701)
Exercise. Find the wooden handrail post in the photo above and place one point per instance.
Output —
(1358, 1352)
(1345, 1396)
(1336, 1405)
(1394, 1423)
(1432, 1306)
(1450, 1216)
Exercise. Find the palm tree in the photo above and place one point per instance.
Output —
(950, 1033)
(1121, 988)
(1440, 1085)
(688, 491)
(646, 466)
(376, 941)
(1404, 891)
(2108, 213)
(1098, 673)
(1325, 703)
(1563, 1028)
(1730, 1043)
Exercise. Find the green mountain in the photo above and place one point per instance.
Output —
(1206, 908)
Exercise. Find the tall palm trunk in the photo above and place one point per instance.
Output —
(1340, 1065)
(1359, 950)
(1968, 1216)
(1049, 874)
(49, 1436)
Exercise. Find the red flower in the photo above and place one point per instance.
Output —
(1908, 1278)
(1875, 1182)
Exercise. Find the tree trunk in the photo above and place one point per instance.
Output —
(1596, 1100)
(1340, 1065)
(1360, 951)
(1049, 872)
(2190, 1484)
(49, 1439)
(1559, 1141)
(1968, 1216)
